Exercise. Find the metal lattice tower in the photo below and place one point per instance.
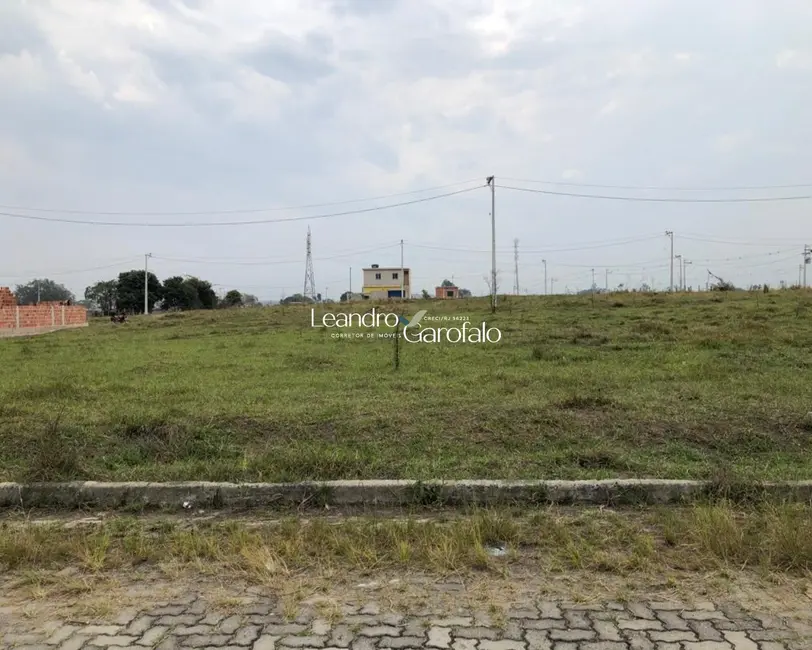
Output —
(309, 280)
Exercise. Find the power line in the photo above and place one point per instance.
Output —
(734, 188)
(238, 223)
(201, 213)
(270, 261)
(725, 241)
(605, 244)
(657, 199)
(95, 268)
(271, 258)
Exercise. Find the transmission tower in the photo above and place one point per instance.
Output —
(310, 280)
(516, 263)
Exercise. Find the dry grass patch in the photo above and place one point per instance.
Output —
(772, 538)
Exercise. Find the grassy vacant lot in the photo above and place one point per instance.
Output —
(702, 386)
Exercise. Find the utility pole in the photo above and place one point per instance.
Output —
(491, 180)
(516, 266)
(350, 296)
(670, 233)
(685, 264)
(807, 260)
(402, 279)
(679, 261)
(545, 277)
(593, 280)
(146, 284)
(552, 281)
(607, 280)
(800, 270)
(309, 290)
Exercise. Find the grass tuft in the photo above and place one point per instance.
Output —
(769, 537)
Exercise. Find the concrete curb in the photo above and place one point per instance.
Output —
(190, 495)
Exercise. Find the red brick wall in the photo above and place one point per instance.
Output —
(46, 314)
(439, 292)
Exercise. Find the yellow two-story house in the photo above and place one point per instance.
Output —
(382, 283)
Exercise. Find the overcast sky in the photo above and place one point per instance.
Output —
(222, 105)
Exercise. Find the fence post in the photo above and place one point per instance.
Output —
(53, 316)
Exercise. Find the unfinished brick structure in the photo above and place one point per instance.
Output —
(33, 319)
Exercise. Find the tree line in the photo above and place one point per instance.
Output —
(125, 294)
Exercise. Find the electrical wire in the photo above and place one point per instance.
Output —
(606, 244)
(270, 258)
(723, 241)
(658, 199)
(120, 213)
(270, 262)
(95, 268)
(238, 223)
(739, 188)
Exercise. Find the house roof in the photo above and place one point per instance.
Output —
(386, 268)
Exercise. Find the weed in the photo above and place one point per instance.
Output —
(54, 454)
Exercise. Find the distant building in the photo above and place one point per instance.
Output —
(381, 283)
(446, 292)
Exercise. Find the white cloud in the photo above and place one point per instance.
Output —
(794, 59)
(22, 72)
(204, 104)
(732, 142)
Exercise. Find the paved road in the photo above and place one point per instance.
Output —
(194, 623)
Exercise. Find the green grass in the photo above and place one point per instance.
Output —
(676, 386)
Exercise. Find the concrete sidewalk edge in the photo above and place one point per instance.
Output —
(400, 493)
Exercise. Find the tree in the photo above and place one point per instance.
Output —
(188, 293)
(249, 300)
(345, 296)
(426, 295)
(130, 291)
(489, 280)
(178, 294)
(296, 297)
(465, 293)
(233, 299)
(446, 283)
(102, 296)
(43, 290)
(206, 296)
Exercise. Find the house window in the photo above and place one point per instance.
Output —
(377, 276)
(394, 276)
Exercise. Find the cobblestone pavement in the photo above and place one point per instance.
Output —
(193, 622)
